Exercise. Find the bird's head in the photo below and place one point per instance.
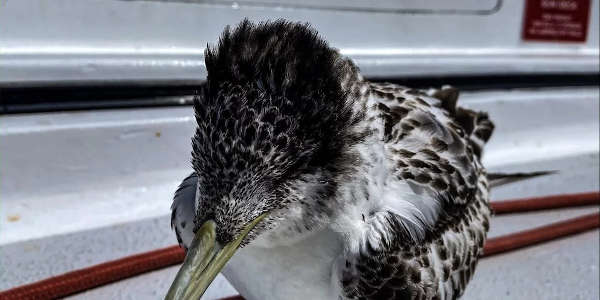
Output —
(274, 120)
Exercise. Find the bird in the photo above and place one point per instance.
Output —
(311, 182)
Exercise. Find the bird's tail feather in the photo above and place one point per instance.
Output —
(499, 179)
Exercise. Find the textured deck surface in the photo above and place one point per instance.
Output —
(527, 138)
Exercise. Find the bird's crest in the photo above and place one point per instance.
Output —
(274, 105)
(273, 86)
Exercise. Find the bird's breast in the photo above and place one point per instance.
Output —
(299, 271)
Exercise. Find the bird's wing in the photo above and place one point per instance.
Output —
(183, 209)
(435, 147)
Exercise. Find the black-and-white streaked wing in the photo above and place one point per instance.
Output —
(435, 147)
(183, 210)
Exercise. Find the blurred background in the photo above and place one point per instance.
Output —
(95, 120)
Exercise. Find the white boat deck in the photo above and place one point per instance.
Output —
(107, 193)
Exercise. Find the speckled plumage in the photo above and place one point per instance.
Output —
(435, 147)
(288, 127)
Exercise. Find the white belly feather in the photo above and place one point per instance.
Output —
(299, 271)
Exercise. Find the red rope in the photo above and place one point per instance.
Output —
(86, 278)
(94, 276)
(541, 234)
(547, 202)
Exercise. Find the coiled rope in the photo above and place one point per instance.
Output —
(87, 278)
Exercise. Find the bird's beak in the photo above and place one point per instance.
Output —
(203, 261)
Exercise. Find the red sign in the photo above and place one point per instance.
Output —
(556, 20)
